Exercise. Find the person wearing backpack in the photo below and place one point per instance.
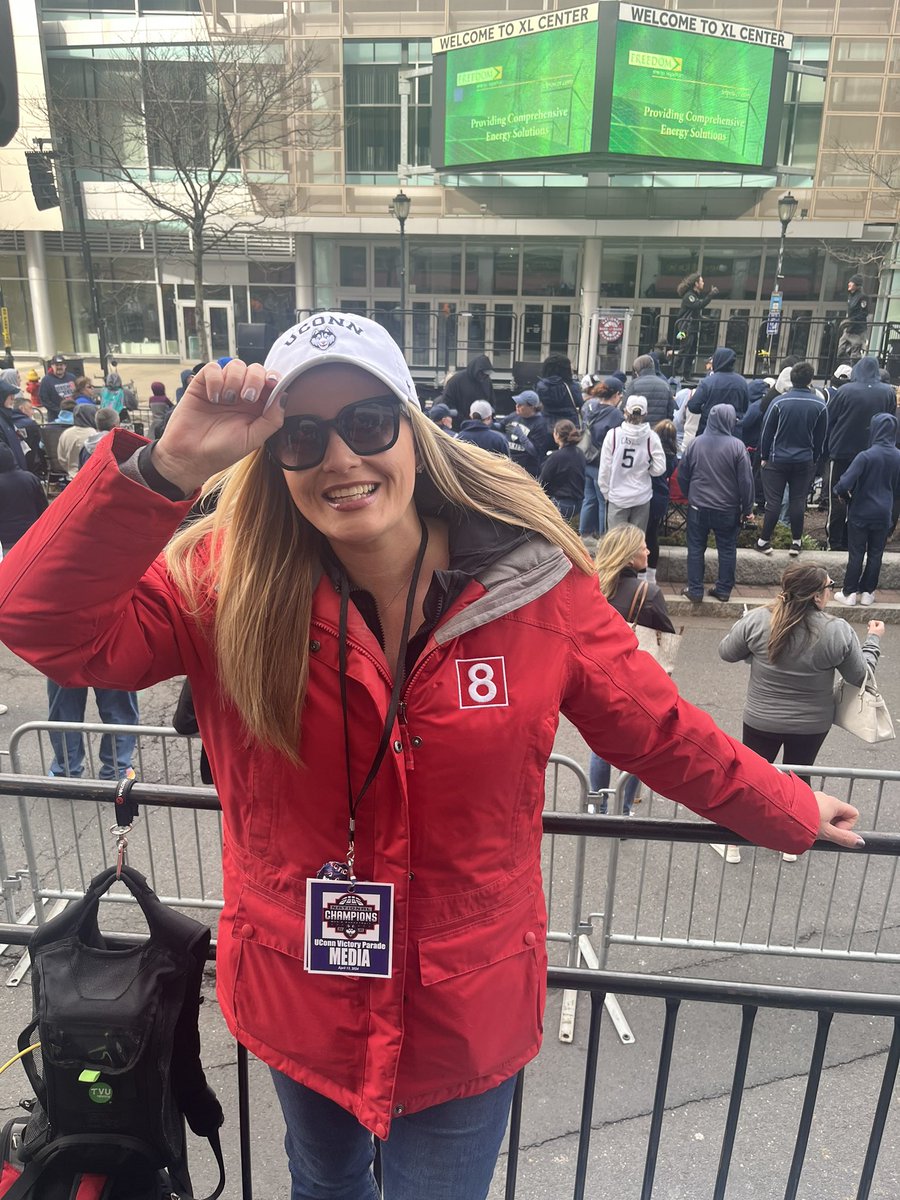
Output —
(600, 413)
(631, 455)
(559, 392)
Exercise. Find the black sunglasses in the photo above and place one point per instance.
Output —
(368, 427)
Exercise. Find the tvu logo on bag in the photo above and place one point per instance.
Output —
(482, 682)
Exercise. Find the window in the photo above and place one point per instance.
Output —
(435, 269)
(549, 272)
(372, 109)
(618, 274)
(802, 122)
(662, 270)
(353, 266)
(492, 270)
(734, 272)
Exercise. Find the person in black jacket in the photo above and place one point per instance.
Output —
(793, 438)
(57, 385)
(562, 475)
(22, 499)
(872, 484)
(479, 431)
(655, 390)
(10, 434)
(540, 430)
(854, 327)
(850, 414)
(722, 386)
(559, 392)
(599, 414)
(472, 383)
(694, 298)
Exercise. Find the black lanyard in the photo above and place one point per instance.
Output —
(399, 677)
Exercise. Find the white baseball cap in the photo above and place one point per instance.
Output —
(338, 337)
(636, 404)
(481, 409)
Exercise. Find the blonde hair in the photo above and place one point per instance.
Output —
(615, 551)
(262, 558)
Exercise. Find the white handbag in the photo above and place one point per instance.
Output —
(662, 646)
(862, 711)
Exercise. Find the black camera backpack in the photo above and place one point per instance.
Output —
(118, 1069)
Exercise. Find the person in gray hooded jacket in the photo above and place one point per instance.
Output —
(717, 478)
(656, 390)
(724, 385)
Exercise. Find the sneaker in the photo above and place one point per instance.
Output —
(732, 854)
(4, 708)
(763, 547)
(867, 598)
(690, 596)
(795, 549)
(717, 595)
(789, 858)
(847, 601)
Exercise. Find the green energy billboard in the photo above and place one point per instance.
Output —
(608, 87)
(689, 96)
(523, 89)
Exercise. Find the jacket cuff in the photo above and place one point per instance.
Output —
(139, 468)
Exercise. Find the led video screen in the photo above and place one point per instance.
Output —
(522, 97)
(689, 96)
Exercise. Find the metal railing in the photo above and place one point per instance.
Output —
(810, 1136)
(834, 909)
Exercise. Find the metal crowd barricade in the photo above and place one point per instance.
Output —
(812, 908)
(810, 1141)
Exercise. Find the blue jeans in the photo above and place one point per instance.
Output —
(725, 525)
(864, 542)
(115, 708)
(592, 522)
(447, 1152)
(598, 781)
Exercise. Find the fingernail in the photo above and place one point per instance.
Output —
(860, 842)
(249, 394)
(214, 397)
(272, 377)
(229, 396)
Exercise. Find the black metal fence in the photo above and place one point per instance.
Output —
(673, 993)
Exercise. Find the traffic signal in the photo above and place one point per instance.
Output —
(43, 185)
(9, 88)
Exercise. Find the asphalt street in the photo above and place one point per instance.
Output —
(706, 1036)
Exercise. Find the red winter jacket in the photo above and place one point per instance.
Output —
(453, 819)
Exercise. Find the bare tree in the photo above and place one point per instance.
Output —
(868, 257)
(207, 135)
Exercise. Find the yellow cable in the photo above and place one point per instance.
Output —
(21, 1054)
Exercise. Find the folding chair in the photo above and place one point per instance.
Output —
(55, 474)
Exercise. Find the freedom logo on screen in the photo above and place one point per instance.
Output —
(482, 682)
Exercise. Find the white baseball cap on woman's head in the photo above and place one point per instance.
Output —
(636, 404)
(337, 337)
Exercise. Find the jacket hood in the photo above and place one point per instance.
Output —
(723, 359)
(645, 365)
(633, 433)
(883, 430)
(722, 419)
(479, 363)
(783, 382)
(866, 371)
(756, 389)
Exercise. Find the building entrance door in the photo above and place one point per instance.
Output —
(219, 320)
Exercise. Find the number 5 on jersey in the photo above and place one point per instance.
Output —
(482, 682)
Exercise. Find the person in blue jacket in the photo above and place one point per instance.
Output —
(479, 431)
(723, 385)
(793, 436)
(872, 484)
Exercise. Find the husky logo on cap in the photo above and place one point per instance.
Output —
(322, 339)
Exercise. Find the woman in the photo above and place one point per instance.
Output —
(794, 648)
(599, 413)
(694, 298)
(68, 450)
(562, 475)
(381, 626)
(659, 499)
(621, 557)
(559, 392)
(113, 395)
(83, 392)
(629, 459)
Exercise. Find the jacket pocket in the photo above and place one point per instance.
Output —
(501, 935)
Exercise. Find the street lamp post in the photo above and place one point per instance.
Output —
(787, 207)
(400, 206)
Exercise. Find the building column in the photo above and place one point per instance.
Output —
(40, 294)
(304, 285)
(590, 299)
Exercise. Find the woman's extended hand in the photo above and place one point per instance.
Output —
(836, 821)
(876, 628)
(223, 416)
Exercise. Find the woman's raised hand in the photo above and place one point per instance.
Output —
(223, 416)
(876, 627)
